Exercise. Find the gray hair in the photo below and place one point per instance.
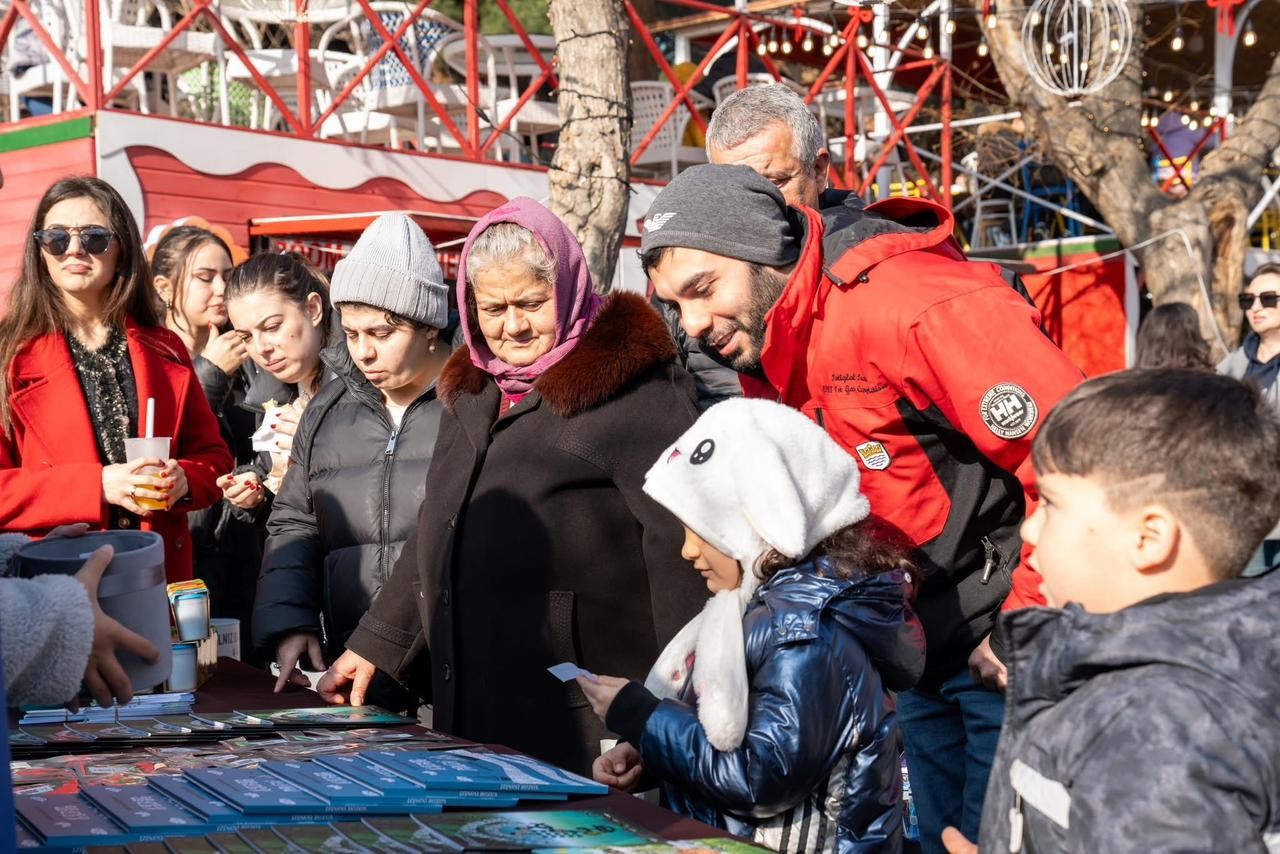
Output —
(506, 241)
(748, 111)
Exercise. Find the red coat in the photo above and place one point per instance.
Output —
(933, 373)
(50, 472)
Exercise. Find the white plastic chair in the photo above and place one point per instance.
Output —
(127, 35)
(649, 99)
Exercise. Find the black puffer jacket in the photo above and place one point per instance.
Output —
(347, 504)
(1155, 728)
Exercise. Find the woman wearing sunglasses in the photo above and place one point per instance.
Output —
(1257, 361)
(83, 349)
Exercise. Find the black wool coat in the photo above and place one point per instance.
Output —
(536, 544)
(346, 505)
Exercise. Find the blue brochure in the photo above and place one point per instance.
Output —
(405, 792)
(342, 794)
(145, 812)
(67, 821)
(217, 813)
(255, 792)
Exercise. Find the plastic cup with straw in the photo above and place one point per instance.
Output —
(149, 446)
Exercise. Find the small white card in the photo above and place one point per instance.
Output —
(566, 671)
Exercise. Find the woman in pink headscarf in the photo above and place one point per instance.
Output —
(536, 544)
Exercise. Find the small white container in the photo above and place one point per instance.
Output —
(191, 614)
(183, 676)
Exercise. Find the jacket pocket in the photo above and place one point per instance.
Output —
(560, 622)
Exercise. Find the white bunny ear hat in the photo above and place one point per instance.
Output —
(749, 476)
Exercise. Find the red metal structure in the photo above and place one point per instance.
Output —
(847, 67)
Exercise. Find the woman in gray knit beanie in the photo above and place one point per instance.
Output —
(360, 456)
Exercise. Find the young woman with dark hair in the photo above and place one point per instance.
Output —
(190, 268)
(83, 350)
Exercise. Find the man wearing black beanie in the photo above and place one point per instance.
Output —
(929, 370)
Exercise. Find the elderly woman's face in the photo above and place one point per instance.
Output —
(516, 312)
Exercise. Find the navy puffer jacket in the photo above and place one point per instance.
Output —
(818, 769)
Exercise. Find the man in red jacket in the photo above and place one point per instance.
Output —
(930, 370)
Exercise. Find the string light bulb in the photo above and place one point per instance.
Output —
(827, 49)
(834, 40)
(1179, 39)
(807, 44)
(863, 41)
(928, 51)
(1115, 46)
(1193, 125)
(983, 50)
(1185, 119)
(922, 32)
(773, 42)
(1145, 121)
(951, 26)
(1250, 37)
(990, 20)
(761, 48)
(1194, 106)
(1167, 97)
(786, 44)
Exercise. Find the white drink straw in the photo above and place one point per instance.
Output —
(151, 418)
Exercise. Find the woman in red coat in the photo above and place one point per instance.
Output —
(83, 349)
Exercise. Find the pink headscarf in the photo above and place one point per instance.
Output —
(576, 302)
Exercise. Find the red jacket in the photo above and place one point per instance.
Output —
(933, 373)
(50, 472)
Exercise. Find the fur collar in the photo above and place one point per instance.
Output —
(626, 339)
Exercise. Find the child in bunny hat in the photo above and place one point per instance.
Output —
(769, 714)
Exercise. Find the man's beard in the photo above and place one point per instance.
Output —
(767, 285)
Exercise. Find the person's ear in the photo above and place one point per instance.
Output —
(821, 168)
(164, 288)
(315, 309)
(1156, 539)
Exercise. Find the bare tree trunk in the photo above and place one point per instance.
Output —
(1097, 142)
(590, 174)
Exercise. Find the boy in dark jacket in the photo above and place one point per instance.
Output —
(1142, 704)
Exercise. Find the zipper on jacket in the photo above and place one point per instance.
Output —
(989, 565)
(388, 458)
(1015, 824)
(821, 419)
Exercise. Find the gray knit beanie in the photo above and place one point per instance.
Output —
(729, 211)
(393, 266)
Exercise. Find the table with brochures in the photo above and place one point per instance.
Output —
(242, 769)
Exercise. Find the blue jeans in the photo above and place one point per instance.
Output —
(950, 736)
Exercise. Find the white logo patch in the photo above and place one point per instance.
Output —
(873, 456)
(1008, 411)
(657, 221)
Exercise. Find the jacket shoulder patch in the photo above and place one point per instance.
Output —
(873, 455)
(1009, 411)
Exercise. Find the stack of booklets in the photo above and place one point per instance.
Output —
(49, 733)
(306, 791)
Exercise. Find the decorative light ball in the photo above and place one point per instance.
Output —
(1092, 40)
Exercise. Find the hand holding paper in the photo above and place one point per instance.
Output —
(567, 670)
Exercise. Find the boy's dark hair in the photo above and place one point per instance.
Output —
(1170, 338)
(1201, 444)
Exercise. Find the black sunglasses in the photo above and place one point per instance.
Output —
(93, 238)
(1269, 299)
